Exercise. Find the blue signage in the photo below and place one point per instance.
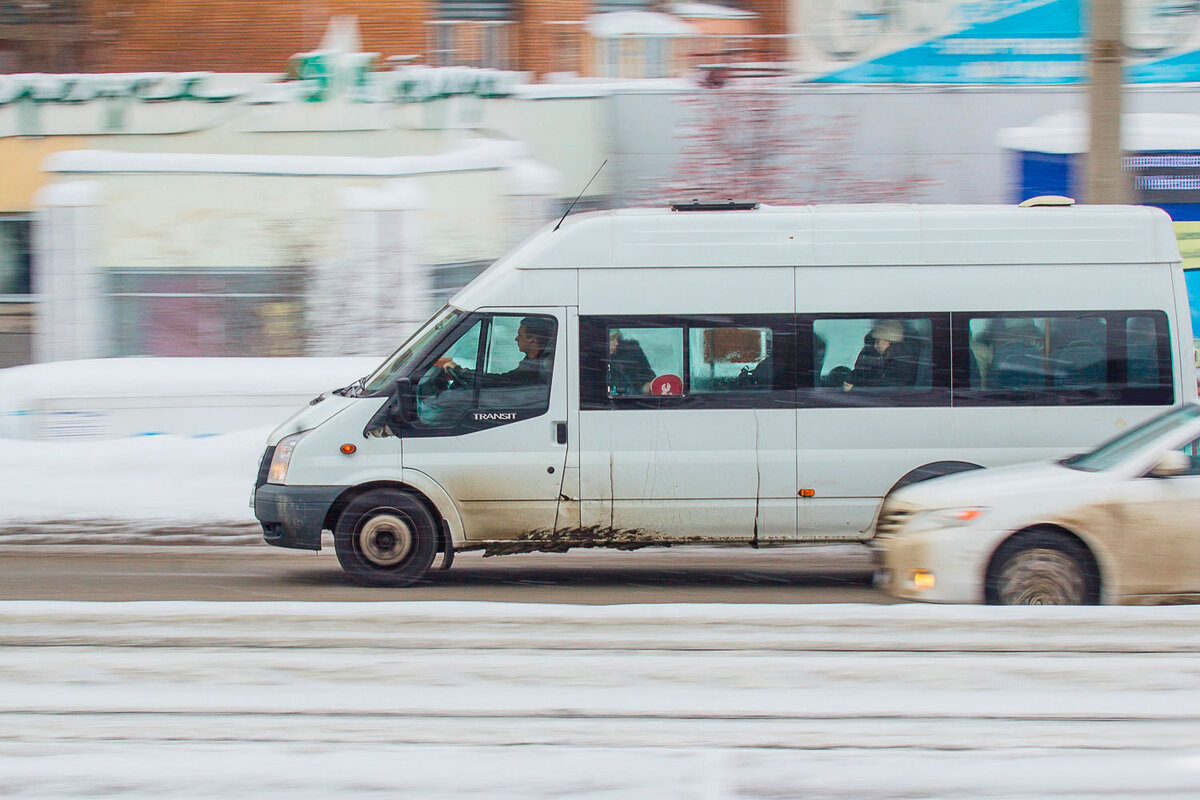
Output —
(1007, 42)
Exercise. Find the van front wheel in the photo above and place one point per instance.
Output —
(385, 538)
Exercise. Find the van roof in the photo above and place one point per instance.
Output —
(890, 235)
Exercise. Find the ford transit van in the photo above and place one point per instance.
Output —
(749, 376)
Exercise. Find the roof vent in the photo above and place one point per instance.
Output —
(729, 205)
(1048, 200)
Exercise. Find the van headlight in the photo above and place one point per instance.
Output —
(946, 518)
(283, 457)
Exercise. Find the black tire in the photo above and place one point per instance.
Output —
(385, 537)
(1042, 567)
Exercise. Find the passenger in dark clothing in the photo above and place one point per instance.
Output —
(629, 371)
(885, 360)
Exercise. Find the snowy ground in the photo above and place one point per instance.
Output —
(523, 701)
(138, 489)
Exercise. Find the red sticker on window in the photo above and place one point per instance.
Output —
(666, 385)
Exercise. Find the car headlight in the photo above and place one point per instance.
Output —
(283, 457)
(946, 518)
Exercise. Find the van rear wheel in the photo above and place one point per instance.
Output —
(385, 537)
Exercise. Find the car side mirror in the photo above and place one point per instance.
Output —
(395, 411)
(1170, 464)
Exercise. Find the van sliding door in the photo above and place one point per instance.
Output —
(687, 426)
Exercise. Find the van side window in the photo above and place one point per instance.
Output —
(645, 361)
(501, 362)
(730, 359)
(1141, 356)
(1064, 358)
(872, 356)
(695, 361)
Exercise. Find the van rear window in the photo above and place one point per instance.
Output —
(1063, 358)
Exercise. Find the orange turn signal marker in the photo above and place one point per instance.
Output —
(348, 449)
(808, 492)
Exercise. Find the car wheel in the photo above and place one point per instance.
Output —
(1042, 568)
(385, 538)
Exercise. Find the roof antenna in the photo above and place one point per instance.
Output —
(576, 200)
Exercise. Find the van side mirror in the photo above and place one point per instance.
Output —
(1170, 464)
(394, 412)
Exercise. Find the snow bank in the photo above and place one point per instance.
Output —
(117, 397)
(185, 489)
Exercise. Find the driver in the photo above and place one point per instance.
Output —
(534, 339)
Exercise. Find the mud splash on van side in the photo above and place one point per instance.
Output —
(560, 541)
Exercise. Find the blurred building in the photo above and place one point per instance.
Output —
(535, 36)
(325, 211)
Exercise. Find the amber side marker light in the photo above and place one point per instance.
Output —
(348, 449)
(808, 492)
(921, 579)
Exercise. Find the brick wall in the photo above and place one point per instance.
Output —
(261, 35)
(240, 35)
(772, 20)
(543, 44)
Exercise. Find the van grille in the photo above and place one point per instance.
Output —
(264, 467)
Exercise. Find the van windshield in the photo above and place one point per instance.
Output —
(413, 347)
(1114, 451)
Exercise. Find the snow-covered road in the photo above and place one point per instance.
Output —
(504, 700)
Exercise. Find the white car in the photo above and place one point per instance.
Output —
(1119, 524)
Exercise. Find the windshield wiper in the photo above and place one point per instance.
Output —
(353, 390)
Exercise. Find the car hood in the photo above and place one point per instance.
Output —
(988, 486)
(311, 416)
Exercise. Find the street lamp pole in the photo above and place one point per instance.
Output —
(1105, 181)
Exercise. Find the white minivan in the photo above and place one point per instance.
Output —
(734, 374)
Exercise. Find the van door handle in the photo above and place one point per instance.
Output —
(560, 432)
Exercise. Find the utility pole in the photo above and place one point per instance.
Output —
(1105, 181)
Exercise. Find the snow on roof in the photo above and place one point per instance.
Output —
(72, 193)
(709, 11)
(399, 195)
(476, 154)
(600, 87)
(637, 23)
(1067, 132)
(528, 177)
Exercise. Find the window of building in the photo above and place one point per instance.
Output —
(15, 256)
(206, 312)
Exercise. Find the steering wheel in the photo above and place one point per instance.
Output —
(450, 378)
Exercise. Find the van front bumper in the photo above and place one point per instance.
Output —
(293, 516)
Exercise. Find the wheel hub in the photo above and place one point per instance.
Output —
(385, 539)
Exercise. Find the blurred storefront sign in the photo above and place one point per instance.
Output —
(995, 41)
(145, 87)
(1162, 156)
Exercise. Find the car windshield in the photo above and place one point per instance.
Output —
(414, 346)
(1114, 451)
